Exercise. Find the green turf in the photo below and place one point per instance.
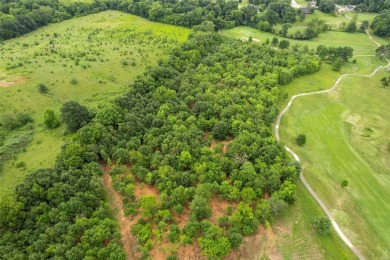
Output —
(358, 41)
(336, 150)
(97, 51)
(303, 242)
(362, 16)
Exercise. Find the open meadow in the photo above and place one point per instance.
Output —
(91, 60)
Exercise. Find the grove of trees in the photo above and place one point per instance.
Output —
(212, 85)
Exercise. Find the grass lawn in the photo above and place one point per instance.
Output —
(91, 59)
(303, 242)
(358, 41)
(362, 16)
(346, 141)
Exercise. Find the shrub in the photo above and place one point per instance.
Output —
(344, 183)
(322, 225)
(301, 139)
(50, 119)
(42, 88)
(235, 239)
(74, 81)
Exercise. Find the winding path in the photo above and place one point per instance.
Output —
(296, 157)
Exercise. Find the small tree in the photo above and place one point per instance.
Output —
(50, 119)
(301, 139)
(385, 82)
(42, 88)
(284, 44)
(220, 130)
(344, 183)
(336, 66)
(322, 225)
(275, 41)
(351, 27)
(364, 26)
(75, 115)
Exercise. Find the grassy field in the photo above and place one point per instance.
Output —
(90, 59)
(347, 141)
(358, 41)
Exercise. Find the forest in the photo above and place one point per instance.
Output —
(160, 133)
(19, 17)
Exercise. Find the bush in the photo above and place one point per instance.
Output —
(235, 239)
(301, 139)
(322, 225)
(74, 81)
(336, 66)
(24, 118)
(50, 119)
(42, 88)
(344, 183)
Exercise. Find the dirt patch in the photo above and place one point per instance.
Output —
(190, 252)
(262, 243)
(125, 223)
(218, 208)
(142, 189)
(162, 251)
(183, 218)
(13, 82)
(225, 143)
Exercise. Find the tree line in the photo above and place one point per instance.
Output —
(19, 17)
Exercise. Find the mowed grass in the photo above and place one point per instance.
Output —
(358, 41)
(346, 133)
(362, 16)
(302, 241)
(91, 59)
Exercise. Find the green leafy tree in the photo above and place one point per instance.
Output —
(50, 119)
(274, 41)
(74, 115)
(336, 66)
(344, 183)
(200, 208)
(149, 205)
(42, 88)
(284, 44)
(220, 130)
(287, 192)
(327, 6)
(364, 26)
(383, 51)
(351, 27)
(235, 239)
(301, 139)
(322, 225)
(385, 82)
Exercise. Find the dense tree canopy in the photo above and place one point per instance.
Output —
(381, 24)
(211, 87)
